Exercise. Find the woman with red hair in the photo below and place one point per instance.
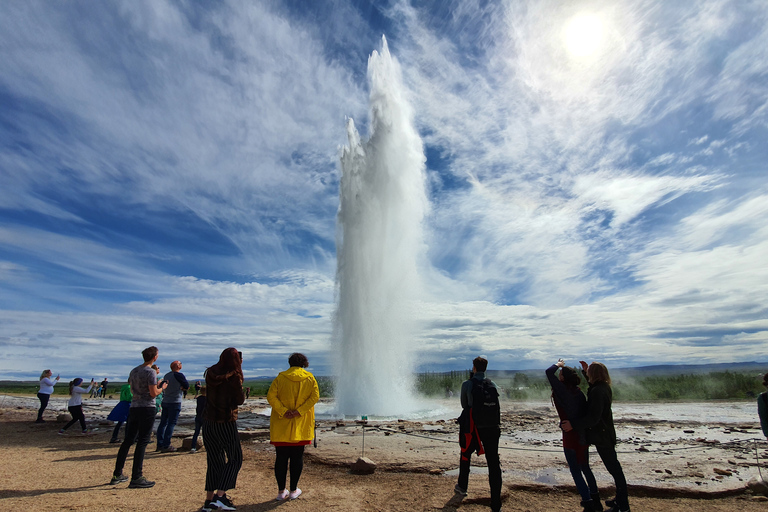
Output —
(224, 382)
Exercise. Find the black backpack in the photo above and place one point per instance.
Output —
(486, 411)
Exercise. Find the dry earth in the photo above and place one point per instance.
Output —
(41, 470)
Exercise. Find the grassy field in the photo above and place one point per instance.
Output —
(523, 386)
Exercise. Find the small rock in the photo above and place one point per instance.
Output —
(723, 472)
(436, 471)
(642, 449)
(363, 466)
(758, 486)
(688, 431)
(668, 471)
(63, 417)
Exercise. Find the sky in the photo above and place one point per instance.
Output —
(169, 176)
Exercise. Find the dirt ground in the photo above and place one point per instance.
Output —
(41, 470)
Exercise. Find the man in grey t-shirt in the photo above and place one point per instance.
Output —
(141, 417)
(172, 397)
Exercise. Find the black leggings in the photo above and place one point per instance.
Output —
(77, 415)
(44, 397)
(296, 456)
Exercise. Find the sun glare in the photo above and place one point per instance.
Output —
(583, 35)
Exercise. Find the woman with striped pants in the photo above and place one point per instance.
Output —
(224, 382)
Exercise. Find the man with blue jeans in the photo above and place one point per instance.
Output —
(172, 397)
(141, 417)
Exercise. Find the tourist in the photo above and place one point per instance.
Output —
(224, 385)
(45, 392)
(141, 416)
(120, 412)
(197, 387)
(75, 405)
(480, 429)
(598, 424)
(171, 406)
(199, 410)
(762, 407)
(571, 403)
(104, 384)
(292, 395)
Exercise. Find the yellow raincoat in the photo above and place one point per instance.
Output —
(295, 389)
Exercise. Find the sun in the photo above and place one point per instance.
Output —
(583, 35)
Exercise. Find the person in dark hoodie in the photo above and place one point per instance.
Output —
(598, 424)
(224, 385)
(571, 403)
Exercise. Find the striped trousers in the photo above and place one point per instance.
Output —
(224, 455)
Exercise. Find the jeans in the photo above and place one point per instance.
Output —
(138, 428)
(490, 439)
(580, 472)
(611, 462)
(44, 397)
(77, 415)
(198, 426)
(168, 418)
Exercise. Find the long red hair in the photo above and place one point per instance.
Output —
(229, 362)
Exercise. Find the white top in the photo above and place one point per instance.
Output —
(46, 386)
(77, 395)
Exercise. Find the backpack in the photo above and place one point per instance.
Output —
(486, 411)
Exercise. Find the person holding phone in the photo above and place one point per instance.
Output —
(46, 390)
(141, 417)
(75, 405)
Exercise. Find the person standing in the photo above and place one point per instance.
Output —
(120, 411)
(199, 410)
(45, 392)
(600, 431)
(75, 405)
(762, 407)
(141, 417)
(292, 395)
(171, 406)
(197, 387)
(224, 455)
(480, 429)
(570, 403)
(104, 387)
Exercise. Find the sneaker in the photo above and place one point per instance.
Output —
(158, 449)
(168, 449)
(61, 432)
(118, 479)
(87, 431)
(294, 494)
(459, 490)
(141, 483)
(193, 450)
(282, 495)
(616, 508)
(113, 441)
(223, 503)
(207, 507)
(40, 421)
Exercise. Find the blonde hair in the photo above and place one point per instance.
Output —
(597, 372)
(45, 374)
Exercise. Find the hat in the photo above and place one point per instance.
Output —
(77, 381)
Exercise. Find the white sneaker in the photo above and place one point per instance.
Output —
(282, 495)
(295, 494)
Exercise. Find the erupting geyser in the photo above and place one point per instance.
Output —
(379, 246)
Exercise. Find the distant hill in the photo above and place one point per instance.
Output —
(658, 369)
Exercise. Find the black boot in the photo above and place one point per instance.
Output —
(589, 506)
(598, 505)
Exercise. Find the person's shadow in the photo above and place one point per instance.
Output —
(261, 507)
(39, 492)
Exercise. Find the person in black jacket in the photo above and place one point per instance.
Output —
(571, 403)
(598, 424)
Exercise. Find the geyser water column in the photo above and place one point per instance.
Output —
(379, 247)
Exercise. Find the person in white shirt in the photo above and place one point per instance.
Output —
(75, 405)
(46, 390)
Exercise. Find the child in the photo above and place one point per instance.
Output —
(75, 405)
(201, 398)
(120, 412)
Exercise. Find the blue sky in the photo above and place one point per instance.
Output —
(170, 170)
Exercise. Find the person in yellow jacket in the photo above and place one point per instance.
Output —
(292, 395)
